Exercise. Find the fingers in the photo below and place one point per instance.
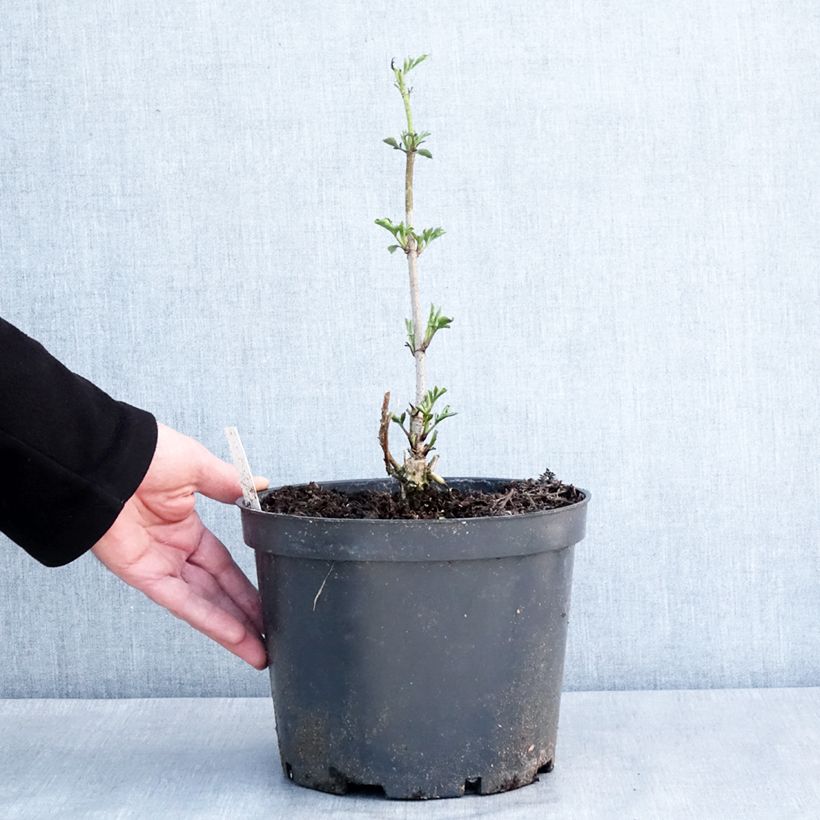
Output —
(212, 556)
(181, 600)
(206, 586)
(219, 480)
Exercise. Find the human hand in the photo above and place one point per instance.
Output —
(159, 545)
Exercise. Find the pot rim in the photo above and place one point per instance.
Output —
(240, 502)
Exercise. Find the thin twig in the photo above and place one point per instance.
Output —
(503, 500)
(384, 431)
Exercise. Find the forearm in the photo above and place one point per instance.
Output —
(70, 455)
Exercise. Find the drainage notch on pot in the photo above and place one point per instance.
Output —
(418, 659)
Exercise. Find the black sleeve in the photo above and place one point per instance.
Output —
(70, 455)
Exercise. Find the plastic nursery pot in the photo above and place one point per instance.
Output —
(416, 659)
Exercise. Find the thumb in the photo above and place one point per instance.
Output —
(220, 480)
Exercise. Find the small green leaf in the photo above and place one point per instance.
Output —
(398, 231)
(411, 336)
(411, 62)
(391, 141)
(446, 413)
(425, 153)
(392, 248)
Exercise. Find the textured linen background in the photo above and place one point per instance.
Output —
(630, 193)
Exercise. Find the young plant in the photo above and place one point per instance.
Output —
(419, 422)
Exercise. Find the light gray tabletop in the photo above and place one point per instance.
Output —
(718, 754)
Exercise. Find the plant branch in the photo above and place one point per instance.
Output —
(412, 256)
(415, 472)
(390, 463)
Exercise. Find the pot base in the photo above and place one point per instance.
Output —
(337, 783)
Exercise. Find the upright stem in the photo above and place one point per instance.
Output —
(412, 265)
(415, 296)
(405, 95)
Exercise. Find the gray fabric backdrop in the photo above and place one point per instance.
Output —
(630, 193)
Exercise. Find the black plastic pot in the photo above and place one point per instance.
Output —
(418, 658)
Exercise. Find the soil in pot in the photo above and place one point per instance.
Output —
(519, 496)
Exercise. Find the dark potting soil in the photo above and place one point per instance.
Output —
(520, 496)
